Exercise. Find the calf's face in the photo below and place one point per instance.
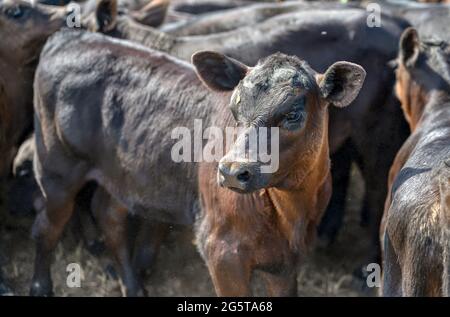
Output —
(25, 27)
(282, 97)
(422, 66)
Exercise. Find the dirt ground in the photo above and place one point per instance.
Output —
(179, 270)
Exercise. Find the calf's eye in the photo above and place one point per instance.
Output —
(14, 12)
(293, 120)
(293, 116)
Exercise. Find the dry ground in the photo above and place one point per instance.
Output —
(179, 270)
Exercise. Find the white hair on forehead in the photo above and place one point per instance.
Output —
(283, 74)
(280, 75)
(247, 82)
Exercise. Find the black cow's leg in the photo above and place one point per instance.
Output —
(49, 225)
(377, 146)
(375, 179)
(112, 219)
(146, 248)
(375, 194)
(340, 170)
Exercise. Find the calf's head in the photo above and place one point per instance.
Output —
(24, 28)
(280, 92)
(423, 66)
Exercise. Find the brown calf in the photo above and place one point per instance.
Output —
(274, 218)
(412, 230)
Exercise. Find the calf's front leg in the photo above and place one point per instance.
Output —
(230, 269)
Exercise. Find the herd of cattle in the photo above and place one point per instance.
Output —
(87, 112)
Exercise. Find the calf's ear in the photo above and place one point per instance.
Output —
(341, 83)
(153, 14)
(106, 15)
(217, 71)
(409, 47)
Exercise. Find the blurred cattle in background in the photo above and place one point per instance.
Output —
(239, 17)
(434, 1)
(147, 12)
(429, 19)
(197, 7)
(413, 231)
(151, 13)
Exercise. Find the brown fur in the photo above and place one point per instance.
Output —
(411, 95)
(21, 43)
(265, 230)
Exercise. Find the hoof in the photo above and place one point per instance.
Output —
(41, 290)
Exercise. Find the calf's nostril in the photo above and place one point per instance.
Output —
(243, 176)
